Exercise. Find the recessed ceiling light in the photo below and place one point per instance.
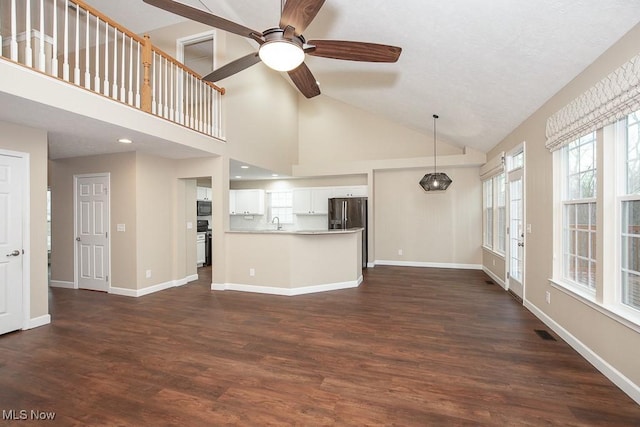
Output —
(125, 141)
(238, 177)
(244, 167)
(274, 175)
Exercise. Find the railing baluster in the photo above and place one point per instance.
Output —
(172, 111)
(138, 76)
(114, 91)
(54, 54)
(14, 31)
(123, 91)
(96, 79)
(28, 52)
(130, 93)
(153, 85)
(76, 68)
(65, 60)
(160, 94)
(87, 50)
(106, 59)
(42, 59)
(166, 88)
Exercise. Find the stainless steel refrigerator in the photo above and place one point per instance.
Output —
(350, 212)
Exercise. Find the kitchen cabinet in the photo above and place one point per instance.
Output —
(351, 191)
(311, 201)
(246, 202)
(203, 193)
(201, 240)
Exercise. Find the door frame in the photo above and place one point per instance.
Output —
(76, 284)
(195, 38)
(26, 233)
(520, 148)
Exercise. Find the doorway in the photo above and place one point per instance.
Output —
(13, 196)
(516, 223)
(197, 52)
(92, 252)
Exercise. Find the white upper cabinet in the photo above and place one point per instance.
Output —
(311, 201)
(203, 193)
(246, 202)
(352, 191)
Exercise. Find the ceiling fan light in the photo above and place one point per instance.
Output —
(281, 55)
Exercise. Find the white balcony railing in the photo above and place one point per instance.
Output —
(70, 40)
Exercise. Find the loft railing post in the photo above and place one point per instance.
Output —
(146, 83)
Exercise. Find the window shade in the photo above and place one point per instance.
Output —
(493, 167)
(611, 99)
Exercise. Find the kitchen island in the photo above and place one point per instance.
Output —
(292, 262)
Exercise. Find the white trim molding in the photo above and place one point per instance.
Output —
(429, 264)
(136, 293)
(62, 284)
(624, 383)
(494, 277)
(37, 322)
(289, 292)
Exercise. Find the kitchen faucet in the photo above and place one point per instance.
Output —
(277, 220)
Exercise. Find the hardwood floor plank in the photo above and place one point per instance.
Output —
(410, 346)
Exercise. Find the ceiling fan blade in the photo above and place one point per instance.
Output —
(202, 16)
(233, 67)
(304, 81)
(299, 14)
(355, 51)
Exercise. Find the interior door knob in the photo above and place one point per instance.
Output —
(14, 253)
(77, 239)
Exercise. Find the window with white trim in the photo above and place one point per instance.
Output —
(579, 174)
(494, 225)
(281, 206)
(630, 213)
(487, 188)
(499, 182)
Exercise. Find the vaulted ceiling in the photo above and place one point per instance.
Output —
(483, 66)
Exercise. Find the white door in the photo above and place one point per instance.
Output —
(516, 230)
(92, 228)
(11, 198)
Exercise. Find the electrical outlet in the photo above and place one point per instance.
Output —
(252, 272)
(148, 274)
(547, 297)
(494, 262)
(529, 228)
(400, 252)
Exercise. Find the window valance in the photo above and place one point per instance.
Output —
(610, 100)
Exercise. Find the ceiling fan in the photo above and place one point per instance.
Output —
(283, 48)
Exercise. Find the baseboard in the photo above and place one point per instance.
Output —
(38, 321)
(495, 278)
(289, 292)
(61, 284)
(624, 383)
(429, 264)
(136, 293)
(371, 265)
(184, 281)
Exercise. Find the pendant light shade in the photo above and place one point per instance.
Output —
(436, 181)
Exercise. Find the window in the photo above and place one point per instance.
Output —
(630, 214)
(606, 161)
(501, 205)
(494, 213)
(579, 212)
(488, 213)
(281, 206)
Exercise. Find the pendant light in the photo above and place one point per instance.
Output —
(436, 181)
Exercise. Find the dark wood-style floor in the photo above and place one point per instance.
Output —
(409, 347)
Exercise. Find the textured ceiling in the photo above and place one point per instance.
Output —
(483, 66)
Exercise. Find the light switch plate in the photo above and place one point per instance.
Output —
(121, 227)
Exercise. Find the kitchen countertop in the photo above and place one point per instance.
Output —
(297, 232)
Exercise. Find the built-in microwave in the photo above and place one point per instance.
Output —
(204, 208)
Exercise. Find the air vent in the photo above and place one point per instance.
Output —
(544, 335)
